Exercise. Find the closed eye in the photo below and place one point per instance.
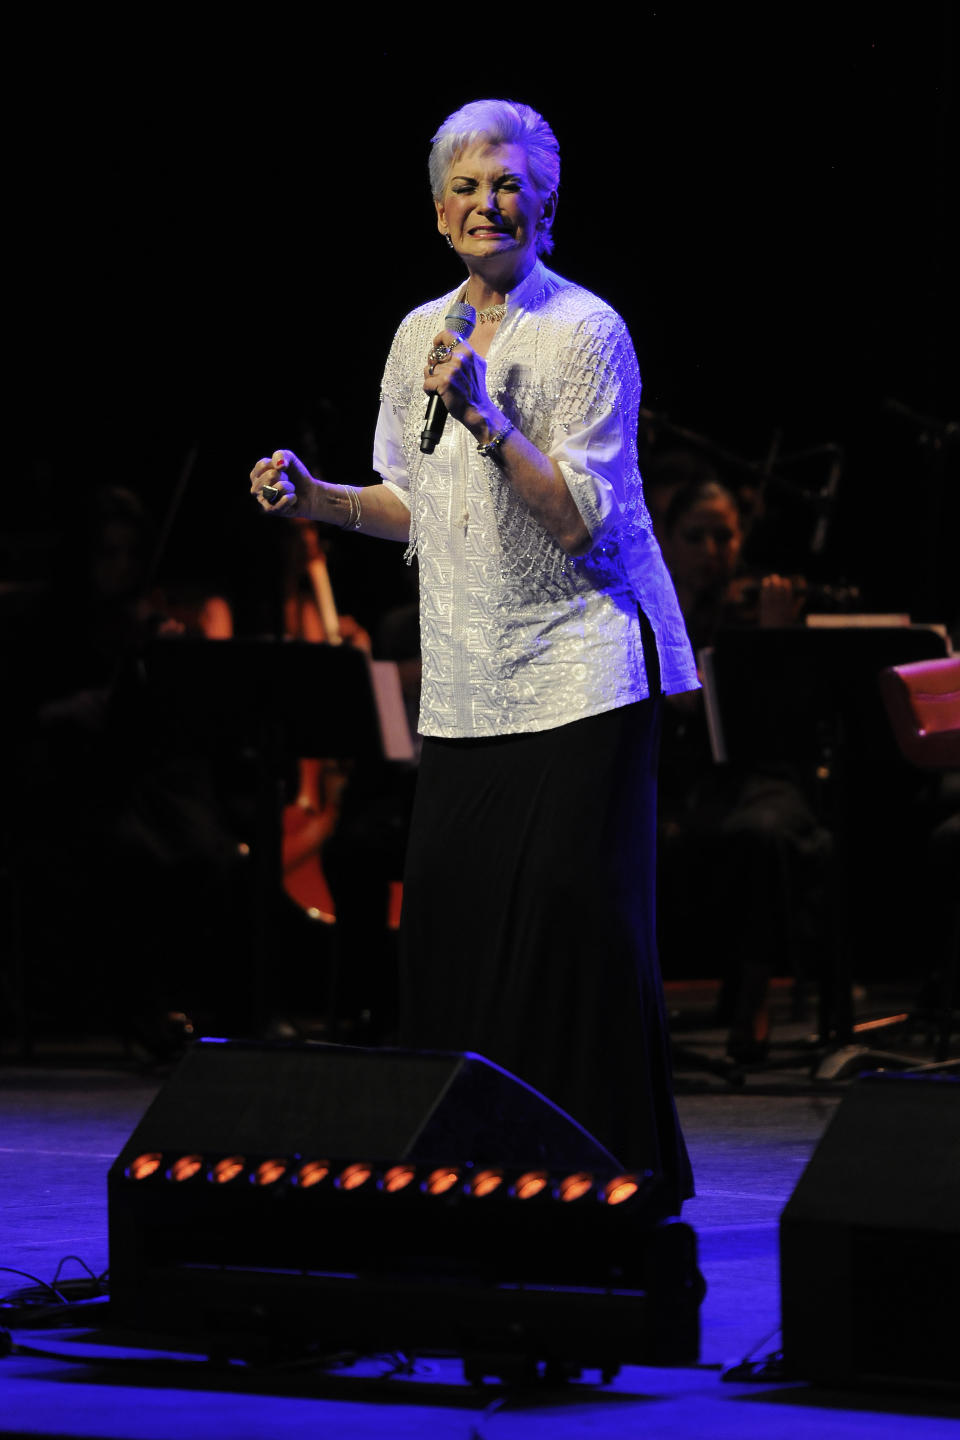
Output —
(461, 185)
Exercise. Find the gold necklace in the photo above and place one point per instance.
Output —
(492, 313)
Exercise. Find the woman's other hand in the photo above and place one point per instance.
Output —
(284, 472)
(374, 509)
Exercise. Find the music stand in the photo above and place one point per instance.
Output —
(287, 699)
(809, 696)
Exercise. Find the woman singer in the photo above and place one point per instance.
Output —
(549, 629)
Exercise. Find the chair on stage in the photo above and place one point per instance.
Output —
(923, 703)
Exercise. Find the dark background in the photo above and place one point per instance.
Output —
(215, 235)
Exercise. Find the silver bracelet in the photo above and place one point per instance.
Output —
(354, 516)
(497, 440)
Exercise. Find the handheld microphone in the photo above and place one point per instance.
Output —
(460, 318)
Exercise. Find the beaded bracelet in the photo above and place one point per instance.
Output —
(497, 440)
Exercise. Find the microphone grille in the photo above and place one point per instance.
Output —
(460, 318)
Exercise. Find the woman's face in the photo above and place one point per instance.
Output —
(490, 208)
(703, 548)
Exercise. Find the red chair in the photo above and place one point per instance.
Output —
(923, 704)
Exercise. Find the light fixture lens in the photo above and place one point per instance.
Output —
(442, 1180)
(227, 1169)
(312, 1173)
(353, 1177)
(398, 1177)
(144, 1166)
(573, 1187)
(531, 1184)
(269, 1172)
(186, 1167)
(485, 1182)
(621, 1188)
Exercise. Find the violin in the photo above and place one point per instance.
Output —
(762, 598)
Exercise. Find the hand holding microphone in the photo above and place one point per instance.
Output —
(459, 321)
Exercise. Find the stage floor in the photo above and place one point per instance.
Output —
(65, 1116)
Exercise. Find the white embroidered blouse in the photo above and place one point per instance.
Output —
(515, 634)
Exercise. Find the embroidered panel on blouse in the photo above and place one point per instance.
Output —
(515, 634)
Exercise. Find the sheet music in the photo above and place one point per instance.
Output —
(391, 712)
(718, 744)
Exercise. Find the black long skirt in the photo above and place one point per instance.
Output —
(529, 928)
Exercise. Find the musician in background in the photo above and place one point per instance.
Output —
(124, 849)
(745, 840)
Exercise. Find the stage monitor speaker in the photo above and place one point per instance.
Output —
(341, 1100)
(386, 1198)
(870, 1241)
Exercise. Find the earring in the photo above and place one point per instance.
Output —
(449, 241)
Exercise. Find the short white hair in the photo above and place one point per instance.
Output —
(500, 122)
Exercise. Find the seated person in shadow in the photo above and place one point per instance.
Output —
(124, 855)
(744, 842)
